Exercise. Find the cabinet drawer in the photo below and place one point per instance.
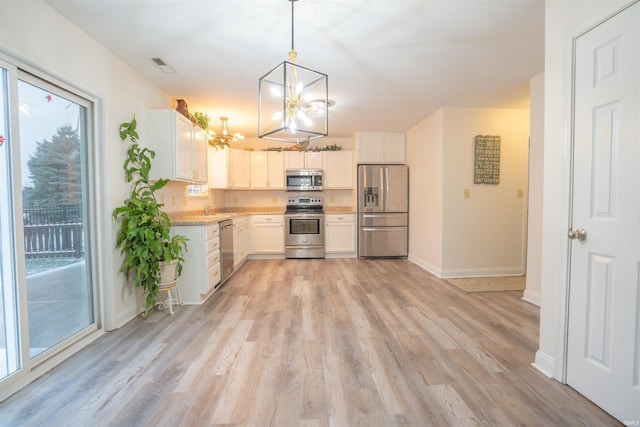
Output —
(267, 219)
(213, 244)
(213, 259)
(212, 231)
(340, 218)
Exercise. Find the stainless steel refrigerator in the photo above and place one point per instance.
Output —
(383, 211)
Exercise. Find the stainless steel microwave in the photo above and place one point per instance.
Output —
(304, 179)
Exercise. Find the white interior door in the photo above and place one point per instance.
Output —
(603, 353)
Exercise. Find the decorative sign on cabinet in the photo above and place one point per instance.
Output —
(181, 148)
(380, 147)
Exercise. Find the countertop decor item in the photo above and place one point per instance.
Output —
(145, 231)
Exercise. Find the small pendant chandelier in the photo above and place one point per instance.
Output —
(224, 137)
(293, 101)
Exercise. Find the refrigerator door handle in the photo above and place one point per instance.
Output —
(386, 189)
(382, 195)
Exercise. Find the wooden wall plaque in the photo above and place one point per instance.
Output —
(487, 161)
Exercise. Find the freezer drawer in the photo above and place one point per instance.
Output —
(383, 242)
(383, 219)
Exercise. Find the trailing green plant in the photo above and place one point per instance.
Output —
(145, 232)
(201, 119)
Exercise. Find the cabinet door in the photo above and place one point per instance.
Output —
(313, 160)
(259, 169)
(393, 148)
(240, 168)
(380, 147)
(368, 146)
(338, 169)
(276, 170)
(268, 238)
(340, 235)
(183, 167)
(199, 158)
(218, 166)
(294, 160)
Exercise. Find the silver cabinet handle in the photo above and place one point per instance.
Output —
(580, 234)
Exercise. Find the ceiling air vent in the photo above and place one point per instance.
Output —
(162, 65)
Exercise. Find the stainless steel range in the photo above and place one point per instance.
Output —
(304, 227)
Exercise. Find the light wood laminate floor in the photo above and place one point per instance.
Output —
(337, 342)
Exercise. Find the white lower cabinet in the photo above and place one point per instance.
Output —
(267, 234)
(201, 268)
(340, 235)
(241, 240)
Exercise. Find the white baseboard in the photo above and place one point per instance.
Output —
(482, 272)
(531, 297)
(544, 363)
(425, 265)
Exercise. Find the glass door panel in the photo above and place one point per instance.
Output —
(9, 332)
(53, 142)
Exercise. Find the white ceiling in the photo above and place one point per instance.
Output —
(390, 63)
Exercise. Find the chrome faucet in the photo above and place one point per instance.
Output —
(207, 209)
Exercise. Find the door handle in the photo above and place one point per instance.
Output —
(580, 234)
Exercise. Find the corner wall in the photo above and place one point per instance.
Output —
(425, 161)
(536, 182)
(484, 232)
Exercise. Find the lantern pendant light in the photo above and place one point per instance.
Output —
(293, 101)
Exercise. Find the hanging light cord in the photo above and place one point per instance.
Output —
(292, 2)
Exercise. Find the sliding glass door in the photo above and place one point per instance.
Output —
(53, 137)
(10, 359)
(48, 297)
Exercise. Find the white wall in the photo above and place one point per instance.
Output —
(536, 182)
(563, 20)
(483, 234)
(35, 34)
(425, 160)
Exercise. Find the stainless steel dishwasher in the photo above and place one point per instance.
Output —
(226, 249)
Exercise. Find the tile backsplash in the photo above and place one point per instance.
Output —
(176, 198)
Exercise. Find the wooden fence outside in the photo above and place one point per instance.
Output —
(53, 231)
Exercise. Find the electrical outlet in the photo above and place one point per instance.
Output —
(520, 193)
(332, 199)
(467, 193)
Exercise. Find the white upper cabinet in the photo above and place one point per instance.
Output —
(180, 147)
(229, 168)
(303, 160)
(240, 168)
(338, 169)
(380, 147)
(267, 169)
(218, 159)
